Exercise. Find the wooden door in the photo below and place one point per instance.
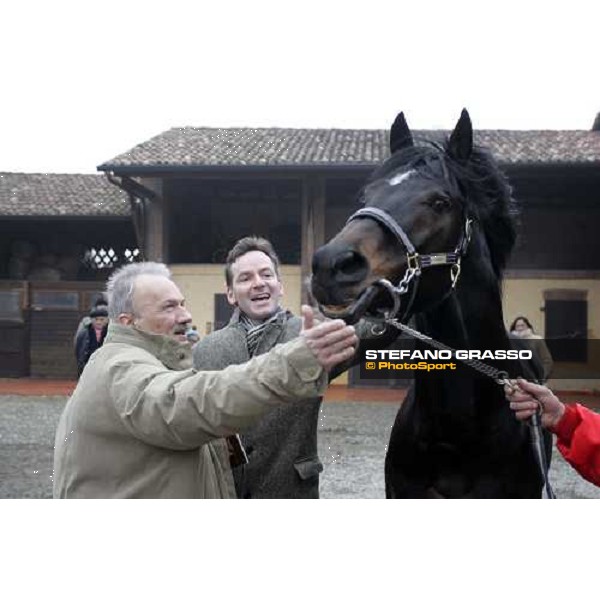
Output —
(566, 323)
(14, 329)
(55, 312)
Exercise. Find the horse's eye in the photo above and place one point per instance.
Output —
(440, 203)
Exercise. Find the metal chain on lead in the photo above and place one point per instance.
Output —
(500, 377)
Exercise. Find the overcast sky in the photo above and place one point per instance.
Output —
(85, 81)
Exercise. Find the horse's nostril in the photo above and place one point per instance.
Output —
(350, 266)
(334, 266)
(345, 262)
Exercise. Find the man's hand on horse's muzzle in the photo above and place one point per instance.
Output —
(332, 342)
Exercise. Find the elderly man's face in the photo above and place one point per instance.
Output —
(160, 307)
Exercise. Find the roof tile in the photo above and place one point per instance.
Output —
(203, 146)
(52, 195)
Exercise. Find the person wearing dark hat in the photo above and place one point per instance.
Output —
(100, 302)
(91, 337)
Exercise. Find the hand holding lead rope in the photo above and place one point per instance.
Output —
(527, 399)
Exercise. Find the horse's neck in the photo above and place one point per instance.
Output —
(460, 325)
(471, 317)
(482, 316)
(466, 321)
(445, 323)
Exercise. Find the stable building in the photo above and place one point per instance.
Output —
(198, 190)
(185, 196)
(60, 236)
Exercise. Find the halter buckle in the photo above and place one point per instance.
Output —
(468, 223)
(455, 273)
(412, 261)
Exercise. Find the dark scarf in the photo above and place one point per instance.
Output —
(255, 329)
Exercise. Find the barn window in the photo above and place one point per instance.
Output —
(108, 258)
(55, 299)
(10, 304)
(131, 255)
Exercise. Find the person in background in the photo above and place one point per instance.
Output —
(577, 428)
(192, 335)
(521, 329)
(91, 337)
(142, 423)
(99, 302)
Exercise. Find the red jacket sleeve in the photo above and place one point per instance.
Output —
(578, 434)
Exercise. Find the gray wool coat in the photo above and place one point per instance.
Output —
(282, 447)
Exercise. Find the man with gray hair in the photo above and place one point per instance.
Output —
(142, 423)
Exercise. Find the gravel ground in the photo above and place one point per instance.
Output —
(353, 439)
(352, 443)
(27, 425)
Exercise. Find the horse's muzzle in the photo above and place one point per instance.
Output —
(355, 311)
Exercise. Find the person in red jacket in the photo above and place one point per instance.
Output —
(577, 428)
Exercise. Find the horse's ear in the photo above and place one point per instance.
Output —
(460, 144)
(400, 136)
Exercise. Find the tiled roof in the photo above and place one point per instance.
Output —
(53, 195)
(206, 147)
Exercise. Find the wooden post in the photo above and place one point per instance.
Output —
(313, 224)
(156, 230)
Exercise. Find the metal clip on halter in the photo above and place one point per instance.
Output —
(395, 295)
(455, 273)
(413, 270)
(502, 379)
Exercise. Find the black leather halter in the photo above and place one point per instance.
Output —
(415, 262)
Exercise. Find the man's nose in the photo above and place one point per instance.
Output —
(185, 315)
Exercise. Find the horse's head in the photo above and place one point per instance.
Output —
(415, 227)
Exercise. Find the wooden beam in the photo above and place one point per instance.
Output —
(155, 223)
(313, 224)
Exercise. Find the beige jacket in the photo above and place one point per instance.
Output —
(141, 424)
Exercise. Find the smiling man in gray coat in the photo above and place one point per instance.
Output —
(282, 447)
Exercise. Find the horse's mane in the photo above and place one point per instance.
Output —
(480, 185)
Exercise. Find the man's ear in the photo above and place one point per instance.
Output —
(125, 319)
(230, 297)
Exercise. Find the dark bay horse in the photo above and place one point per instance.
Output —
(438, 228)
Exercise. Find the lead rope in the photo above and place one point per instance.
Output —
(501, 378)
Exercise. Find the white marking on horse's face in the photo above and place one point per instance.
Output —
(397, 179)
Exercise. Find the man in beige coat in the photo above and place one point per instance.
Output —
(143, 424)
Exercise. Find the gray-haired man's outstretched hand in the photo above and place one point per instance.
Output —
(332, 341)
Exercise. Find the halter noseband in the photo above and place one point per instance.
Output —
(415, 262)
